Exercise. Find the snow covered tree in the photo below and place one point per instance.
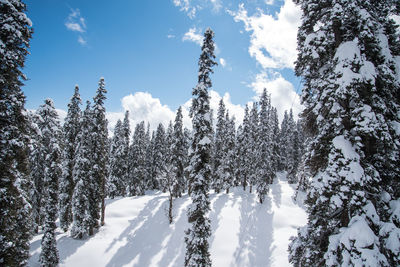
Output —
(100, 149)
(137, 158)
(15, 211)
(197, 235)
(228, 160)
(36, 160)
(178, 155)
(70, 130)
(348, 59)
(159, 151)
(126, 135)
(116, 186)
(219, 152)
(254, 152)
(52, 169)
(82, 173)
(244, 150)
(265, 171)
(275, 152)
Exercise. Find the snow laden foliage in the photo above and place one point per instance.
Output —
(118, 159)
(71, 130)
(197, 246)
(348, 58)
(99, 154)
(50, 129)
(137, 158)
(219, 142)
(115, 182)
(158, 160)
(15, 211)
(82, 174)
(291, 145)
(178, 156)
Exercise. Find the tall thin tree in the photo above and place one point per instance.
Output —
(197, 235)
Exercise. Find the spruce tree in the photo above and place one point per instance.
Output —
(265, 172)
(15, 209)
(137, 155)
(228, 161)
(126, 134)
(254, 161)
(159, 151)
(115, 180)
(36, 160)
(70, 130)
(178, 155)
(197, 235)
(219, 152)
(82, 173)
(99, 157)
(52, 170)
(347, 58)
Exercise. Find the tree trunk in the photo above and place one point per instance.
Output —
(170, 208)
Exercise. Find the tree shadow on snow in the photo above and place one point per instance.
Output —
(175, 253)
(215, 213)
(66, 246)
(144, 242)
(255, 235)
(276, 192)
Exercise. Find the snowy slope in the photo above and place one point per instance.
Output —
(137, 232)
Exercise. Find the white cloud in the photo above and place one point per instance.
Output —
(143, 106)
(283, 94)
(191, 7)
(193, 35)
(76, 23)
(222, 62)
(81, 40)
(273, 38)
(170, 36)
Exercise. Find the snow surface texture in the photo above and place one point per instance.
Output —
(137, 233)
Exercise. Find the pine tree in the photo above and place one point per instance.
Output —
(245, 145)
(99, 157)
(159, 151)
(138, 172)
(37, 162)
(265, 172)
(116, 186)
(254, 153)
(52, 170)
(178, 155)
(15, 211)
(126, 134)
(275, 152)
(82, 173)
(219, 151)
(228, 160)
(351, 97)
(196, 239)
(70, 130)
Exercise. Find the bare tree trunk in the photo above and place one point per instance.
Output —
(103, 204)
(170, 208)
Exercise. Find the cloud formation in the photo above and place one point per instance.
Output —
(273, 39)
(283, 94)
(222, 62)
(193, 35)
(76, 23)
(191, 7)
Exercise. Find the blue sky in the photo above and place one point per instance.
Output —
(147, 51)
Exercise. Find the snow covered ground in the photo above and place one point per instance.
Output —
(137, 233)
